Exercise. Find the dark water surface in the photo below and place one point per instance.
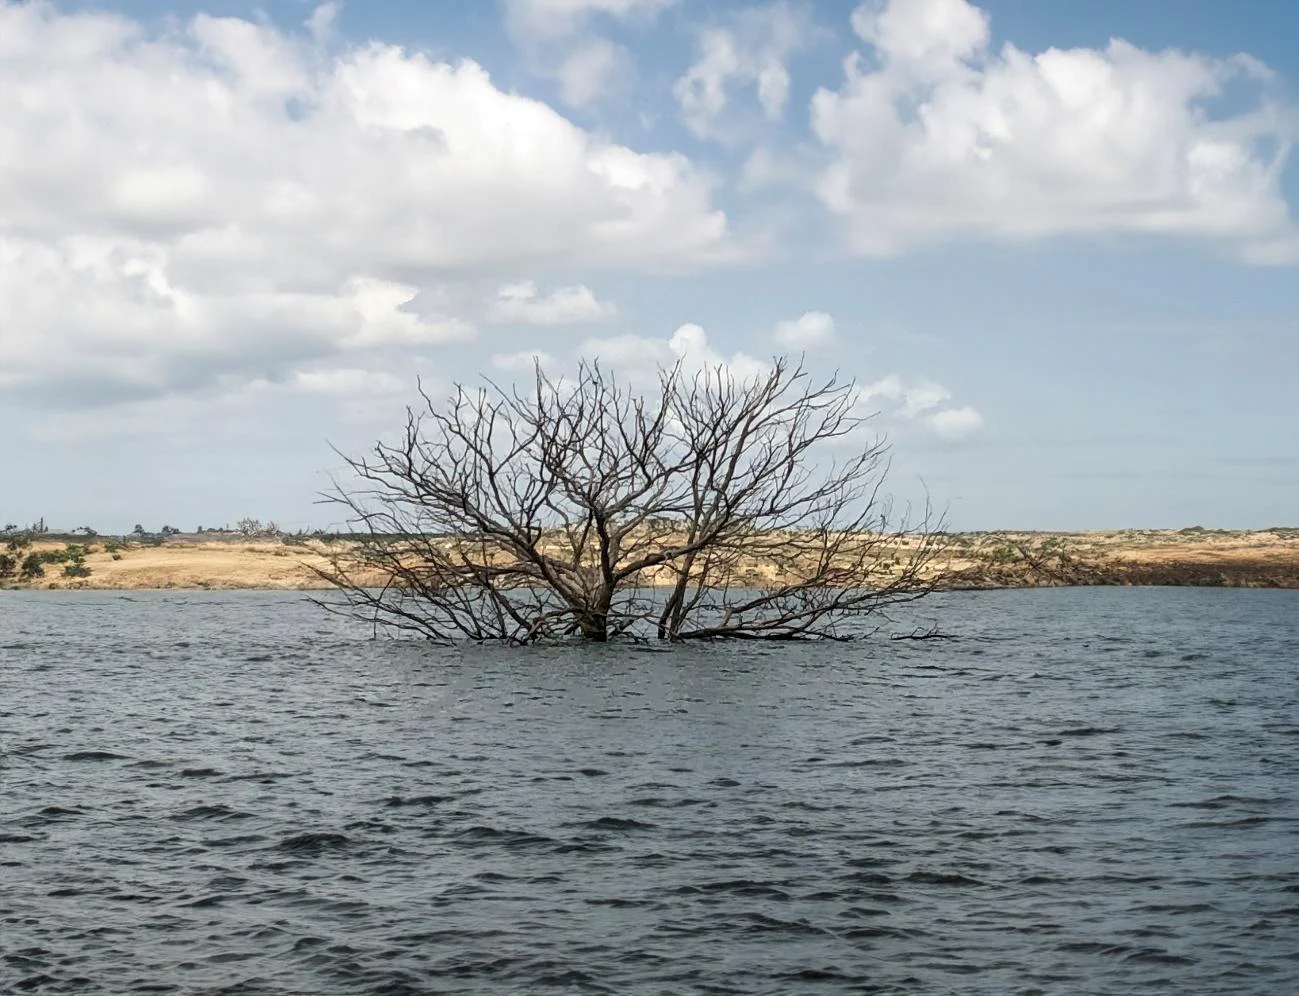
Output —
(1091, 791)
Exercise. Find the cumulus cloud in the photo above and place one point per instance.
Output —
(640, 357)
(225, 197)
(809, 330)
(347, 382)
(523, 303)
(899, 403)
(105, 319)
(638, 360)
(558, 39)
(592, 69)
(750, 49)
(956, 423)
(524, 361)
(937, 135)
(920, 402)
(565, 17)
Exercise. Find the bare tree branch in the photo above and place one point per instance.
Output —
(715, 508)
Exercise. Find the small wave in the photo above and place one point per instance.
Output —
(738, 887)
(238, 840)
(1088, 731)
(869, 878)
(941, 878)
(259, 776)
(812, 807)
(612, 823)
(874, 932)
(313, 842)
(1158, 956)
(1224, 802)
(1177, 909)
(210, 812)
(505, 838)
(94, 755)
(50, 814)
(618, 903)
(865, 762)
(1244, 821)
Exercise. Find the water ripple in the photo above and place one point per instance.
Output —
(1092, 790)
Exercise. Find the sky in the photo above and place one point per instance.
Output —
(1055, 245)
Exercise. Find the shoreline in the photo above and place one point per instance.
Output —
(971, 561)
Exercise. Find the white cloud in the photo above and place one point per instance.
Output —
(222, 197)
(921, 397)
(939, 136)
(87, 320)
(320, 23)
(956, 423)
(640, 358)
(524, 361)
(899, 403)
(914, 402)
(558, 41)
(522, 303)
(348, 382)
(751, 49)
(253, 406)
(592, 70)
(555, 18)
(809, 330)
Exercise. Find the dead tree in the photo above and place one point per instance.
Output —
(712, 507)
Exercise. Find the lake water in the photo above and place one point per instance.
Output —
(1090, 791)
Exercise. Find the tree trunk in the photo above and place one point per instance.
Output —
(594, 626)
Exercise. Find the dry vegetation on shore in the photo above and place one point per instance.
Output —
(1264, 558)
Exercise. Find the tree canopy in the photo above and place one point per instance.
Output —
(708, 507)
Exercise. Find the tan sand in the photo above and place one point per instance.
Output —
(1003, 559)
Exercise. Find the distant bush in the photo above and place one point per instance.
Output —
(254, 528)
(72, 553)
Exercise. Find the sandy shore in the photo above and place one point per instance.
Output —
(1201, 557)
(978, 560)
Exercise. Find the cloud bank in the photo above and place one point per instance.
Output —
(220, 196)
(935, 135)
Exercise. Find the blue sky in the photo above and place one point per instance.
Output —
(1054, 243)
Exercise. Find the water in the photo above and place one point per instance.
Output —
(1090, 791)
